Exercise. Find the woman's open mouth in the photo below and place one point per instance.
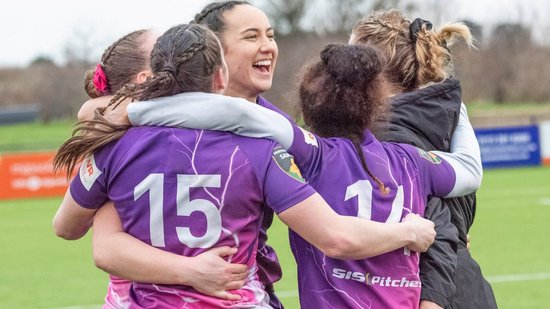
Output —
(264, 66)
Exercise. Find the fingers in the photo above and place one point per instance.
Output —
(422, 245)
(223, 251)
(237, 269)
(239, 275)
(235, 285)
(410, 216)
(227, 295)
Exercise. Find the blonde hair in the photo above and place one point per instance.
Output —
(415, 59)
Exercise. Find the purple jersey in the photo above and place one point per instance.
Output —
(333, 168)
(118, 293)
(186, 191)
(269, 269)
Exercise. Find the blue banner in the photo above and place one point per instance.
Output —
(507, 147)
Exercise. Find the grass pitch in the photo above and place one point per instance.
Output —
(510, 240)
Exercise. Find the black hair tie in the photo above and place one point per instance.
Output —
(170, 68)
(416, 26)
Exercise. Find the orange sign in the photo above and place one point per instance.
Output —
(30, 175)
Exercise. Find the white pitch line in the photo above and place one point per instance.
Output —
(287, 294)
(491, 279)
(518, 277)
(81, 307)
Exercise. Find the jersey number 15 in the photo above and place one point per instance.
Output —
(154, 184)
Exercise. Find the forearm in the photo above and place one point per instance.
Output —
(213, 112)
(348, 237)
(87, 109)
(122, 255)
(465, 157)
(363, 238)
(71, 231)
(71, 221)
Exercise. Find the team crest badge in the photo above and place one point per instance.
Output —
(285, 161)
(430, 156)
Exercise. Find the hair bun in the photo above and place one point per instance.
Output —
(353, 65)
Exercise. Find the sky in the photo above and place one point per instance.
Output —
(31, 28)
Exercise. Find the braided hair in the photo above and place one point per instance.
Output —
(343, 93)
(184, 59)
(212, 15)
(415, 54)
(120, 63)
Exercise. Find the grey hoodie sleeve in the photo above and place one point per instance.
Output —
(207, 111)
(465, 157)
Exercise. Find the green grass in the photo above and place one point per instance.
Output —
(510, 236)
(34, 136)
(39, 270)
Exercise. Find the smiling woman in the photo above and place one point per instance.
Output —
(250, 50)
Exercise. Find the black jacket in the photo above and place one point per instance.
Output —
(427, 119)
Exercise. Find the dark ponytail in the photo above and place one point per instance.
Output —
(352, 65)
(343, 93)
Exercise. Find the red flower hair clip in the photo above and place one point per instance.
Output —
(100, 80)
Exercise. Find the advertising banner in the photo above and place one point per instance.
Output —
(29, 175)
(507, 147)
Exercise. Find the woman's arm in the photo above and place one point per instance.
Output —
(120, 254)
(213, 112)
(125, 256)
(72, 221)
(352, 237)
(465, 157)
(222, 113)
(87, 109)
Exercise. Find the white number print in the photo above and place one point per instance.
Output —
(363, 190)
(154, 184)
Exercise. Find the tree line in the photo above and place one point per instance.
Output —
(507, 66)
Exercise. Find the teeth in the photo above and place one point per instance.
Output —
(263, 62)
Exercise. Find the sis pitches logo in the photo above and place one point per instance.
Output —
(369, 279)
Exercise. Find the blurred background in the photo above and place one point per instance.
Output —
(48, 45)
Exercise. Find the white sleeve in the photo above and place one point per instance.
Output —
(465, 157)
(207, 111)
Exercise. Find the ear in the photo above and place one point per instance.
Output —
(142, 76)
(219, 81)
